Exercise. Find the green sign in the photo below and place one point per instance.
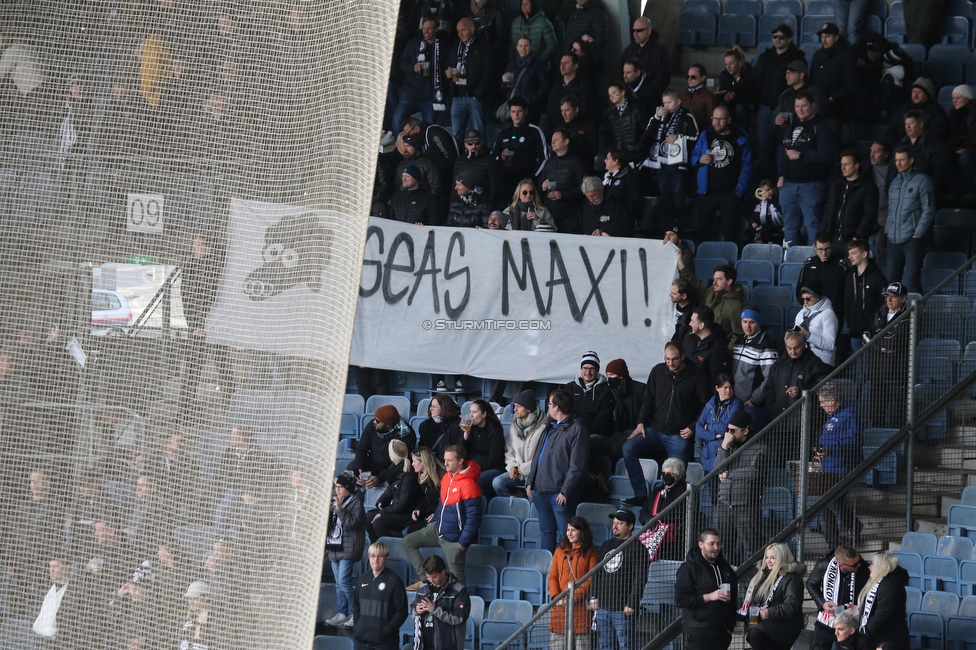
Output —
(140, 259)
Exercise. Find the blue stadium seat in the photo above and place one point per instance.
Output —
(878, 8)
(773, 316)
(513, 506)
(913, 599)
(758, 271)
(504, 618)
(696, 30)
(789, 274)
(960, 633)
(948, 305)
(943, 73)
(969, 493)
(945, 603)
(327, 602)
(948, 348)
(477, 613)
(620, 489)
(595, 511)
(401, 403)
(500, 530)
(969, 284)
(967, 606)
(422, 407)
(779, 7)
(934, 370)
(353, 403)
(896, 31)
(705, 268)
(711, 7)
(726, 250)
(777, 507)
(954, 30)
(523, 583)
(810, 25)
(481, 581)
(940, 573)
(322, 642)
(927, 628)
(768, 22)
(945, 97)
(940, 326)
(820, 7)
(937, 429)
(799, 253)
(967, 582)
(780, 295)
(771, 252)
(958, 53)
(349, 425)
(962, 520)
(601, 533)
(531, 534)
(810, 48)
(873, 23)
(737, 29)
(911, 562)
(659, 589)
(751, 7)
(493, 556)
(944, 260)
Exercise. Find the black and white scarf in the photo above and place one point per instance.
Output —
(462, 56)
(436, 74)
(869, 603)
(831, 590)
(747, 603)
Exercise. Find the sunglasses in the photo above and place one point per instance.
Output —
(528, 193)
(779, 37)
(638, 31)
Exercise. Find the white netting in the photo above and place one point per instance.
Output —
(183, 194)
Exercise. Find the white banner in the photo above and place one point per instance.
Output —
(510, 305)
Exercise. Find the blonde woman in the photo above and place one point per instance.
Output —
(526, 211)
(881, 603)
(401, 497)
(777, 590)
(429, 473)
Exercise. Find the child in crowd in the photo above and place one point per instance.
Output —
(766, 224)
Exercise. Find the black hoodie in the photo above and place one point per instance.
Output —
(862, 298)
(697, 577)
(674, 400)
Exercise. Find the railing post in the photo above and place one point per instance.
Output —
(910, 419)
(691, 512)
(570, 618)
(806, 415)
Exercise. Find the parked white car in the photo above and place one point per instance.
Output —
(110, 309)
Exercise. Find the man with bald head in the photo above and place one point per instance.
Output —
(653, 56)
(469, 73)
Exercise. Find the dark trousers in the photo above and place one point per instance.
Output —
(734, 522)
(906, 258)
(759, 640)
(387, 526)
(725, 206)
(696, 640)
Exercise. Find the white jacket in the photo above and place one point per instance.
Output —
(519, 452)
(821, 321)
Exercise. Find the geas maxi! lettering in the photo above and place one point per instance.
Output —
(394, 271)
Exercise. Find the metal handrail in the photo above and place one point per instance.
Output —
(154, 302)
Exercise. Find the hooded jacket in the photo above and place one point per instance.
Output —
(624, 128)
(673, 400)
(711, 425)
(561, 457)
(851, 208)
(887, 619)
(821, 323)
(911, 207)
(785, 605)
(834, 71)
(654, 58)
(711, 354)
(745, 477)
(697, 577)
(727, 305)
(751, 361)
(862, 298)
(452, 609)
(594, 406)
(815, 142)
(458, 515)
(804, 372)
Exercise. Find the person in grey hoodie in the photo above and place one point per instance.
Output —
(592, 398)
(911, 212)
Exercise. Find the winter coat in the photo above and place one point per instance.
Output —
(672, 547)
(458, 515)
(352, 517)
(932, 158)
(623, 129)
(804, 372)
(580, 88)
(697, 577)
(485, 168)
(751, 361)
(490, 24)
(785, 607)
(539, 30)
(431, 178)
(430, 497)
(621, 582)
(519, 449)
(627, 403)
(437, 435)
(815, 142)
(815, 587)
(727, 305)
(834, 71)
(745, 478)
(887, 621)
(654, 58)
(787, 104)
(452, 608)
(673, 400)
(379, 607)
(710, 354)
(711, 425)
(821, 323)
(477, 71)
(401, 495)
(567, 172)
(862, 298)
(890, 363)
(962, 128)
(830, 275)
(532, 85)
(646, 93)
(568, 566)
(703, 146)
(851, 209)
(373, 450)
(486, 446)
(911, 207)
(561, 457)
(593, 407)
(623, 187)
(418, 85)
(608, 216)
(745, 89)
(590, 19)
(469, 211)
(936, 122)
(414, 206)
(518, 221)
(770, 72)
(841, 442)
(700, 103)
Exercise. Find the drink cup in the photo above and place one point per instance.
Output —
(839, 609)
(509, 79)
(753, 616)
(455, 75)
(508, 158)
(726, 587)
(365, 476)
(552, 186)
(425, 68)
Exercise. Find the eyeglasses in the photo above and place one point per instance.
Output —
(732, 430)
(528, 193)
(823, 249)
(638, 31)
(779, 37)
(692, 76)
(809, 299)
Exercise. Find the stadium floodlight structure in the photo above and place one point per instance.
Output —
(184, 189)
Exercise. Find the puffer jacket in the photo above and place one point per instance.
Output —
(590, 19)
(593, 407)
(751, 361)
(841, 442)
(469, 211)
(851, 209)
(727, 305)
(458, 515)
(401, 495)
(785, 606)
(710, 427)
(539, 30)
(911, 207)
(697, 577)
(821, 322)
(414, 206)
(352, 517)
(744, 478)
(560, 575)
(624, 128)
(485, 168)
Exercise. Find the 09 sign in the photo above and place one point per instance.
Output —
(144, 213)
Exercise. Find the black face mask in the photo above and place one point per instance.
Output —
(615, 382)
(668, 479)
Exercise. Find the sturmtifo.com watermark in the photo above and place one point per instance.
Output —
(488, 324)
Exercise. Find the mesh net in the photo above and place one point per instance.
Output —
(183, 197)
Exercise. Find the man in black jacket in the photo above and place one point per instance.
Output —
(619, 586)
(799, 370)
(643, 86)
(674, 396)
(740, 490)
(835, 580)
(560, 181)
(862, 291)
(834, 72)
(413, 204)
(419, 63)
(627, 398)
(441, 609)
(600, 215)
(571, 84)
(373, 449)
(923, 99)
(471, 65)
(478, 159)
(653, 57)
(888, 371)
(932, 156)
(707, 610)
(706, 345)
(685, 301)
(379, 604)
(436, 143)
(520, 148)
(584, 135)
(469, 206)
(592, 398)
(826, 268)
(851, 208)
(770, 74)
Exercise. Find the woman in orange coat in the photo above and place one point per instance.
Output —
(575, 556)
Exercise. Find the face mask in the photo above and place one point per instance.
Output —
(668, 479)
(615, 382)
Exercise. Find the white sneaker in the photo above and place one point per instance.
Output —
(338, 620)
(441, 386)
(348, 622)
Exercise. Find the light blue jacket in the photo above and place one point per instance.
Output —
(911, 207)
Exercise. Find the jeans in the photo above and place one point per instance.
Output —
(610, 625)
(802, 203)
(465, 110)
(766, 131)
(552, 518)
(503, 485)
(672, 185)
(849, 15)
(906, 257)
(342, 570)
(967, 167)
(653, 444)
(408, 106)
(487, 478)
